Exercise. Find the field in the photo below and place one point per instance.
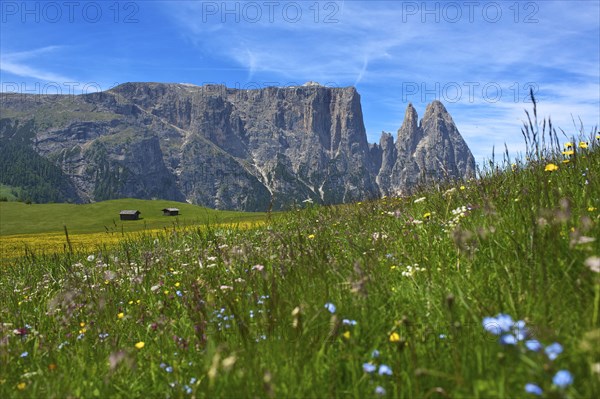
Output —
(484, 289)
(40, 228)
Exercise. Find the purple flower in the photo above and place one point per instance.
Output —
(533, 389)
(379, 390)
(562, 378)
(553, 350)
(368, 367)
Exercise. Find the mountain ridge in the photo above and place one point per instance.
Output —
(234, 149)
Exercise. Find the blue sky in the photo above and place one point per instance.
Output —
(478, 57)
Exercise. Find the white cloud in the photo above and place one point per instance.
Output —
(20, 64)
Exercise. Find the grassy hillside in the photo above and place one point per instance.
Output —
(490, 289)
(20, 218)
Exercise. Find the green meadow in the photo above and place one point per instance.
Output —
(20, 218)
(482, 289)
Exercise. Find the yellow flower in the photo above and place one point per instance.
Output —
(565, 161)
(598, 137)
(551, 167)
(166, 292)
(346, 335)
(394, 337)
(462, 187)
(591, 209)
(568, 153)
(177, 284)
(311, 236)
(569, 145)
(140, 345)
(427, 215)
(21, 386)
(82, 324)
(121, 315)
(583, 144)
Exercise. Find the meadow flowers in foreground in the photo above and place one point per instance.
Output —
(400, 297)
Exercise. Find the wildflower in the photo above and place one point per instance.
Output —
(499, 324)
(21, 386)
(394, 337)
(591, 209)
(91, 258)
(385, 370)
(187, 389)
(346, 335)
(551, 167)
(379, 390)
(569, 145)
(568, 153)
(330, 307)
(348, 322)
(419, 200)
(24, 354)
(566, 161)
(553, 350)
(311, 236)
(533, 345)
(120, 315)
(508, 339)
(140, 345)
(178, 293)
(520, 331)
(427, 216)
(260, 268)
(562, 378)
(593, 263)
(462, 187)
(583, 144)
(169, 369)
(533, 389)
(368, 367)
(375, 354)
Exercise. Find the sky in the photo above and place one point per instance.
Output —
(480, 58)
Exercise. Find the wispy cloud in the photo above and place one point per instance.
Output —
(20, 64)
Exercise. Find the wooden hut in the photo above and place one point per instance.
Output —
(130, 214)
(170, 212)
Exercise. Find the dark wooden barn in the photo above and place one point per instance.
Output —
(130, 214)
(170, 212)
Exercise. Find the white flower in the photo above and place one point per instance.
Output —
(593, 262)
(91, 258)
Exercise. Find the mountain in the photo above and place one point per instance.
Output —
(224, 148)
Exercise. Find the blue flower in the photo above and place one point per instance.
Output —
(169, 369)
(533, 345)
(520, 331)
(193, 380)
(24, 354)
(491, 325)
(385, 370)
(330, 307)
(505, 322)
(553, 350)
(375, 353)
(348, 322)
(562, 378)
(162, 365)
(368, 367)
(187, 389)
(533, 389)
(499, 324)
(508, 339)
(178, 293)
(379, 390)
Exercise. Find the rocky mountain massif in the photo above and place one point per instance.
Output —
(222, 148)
